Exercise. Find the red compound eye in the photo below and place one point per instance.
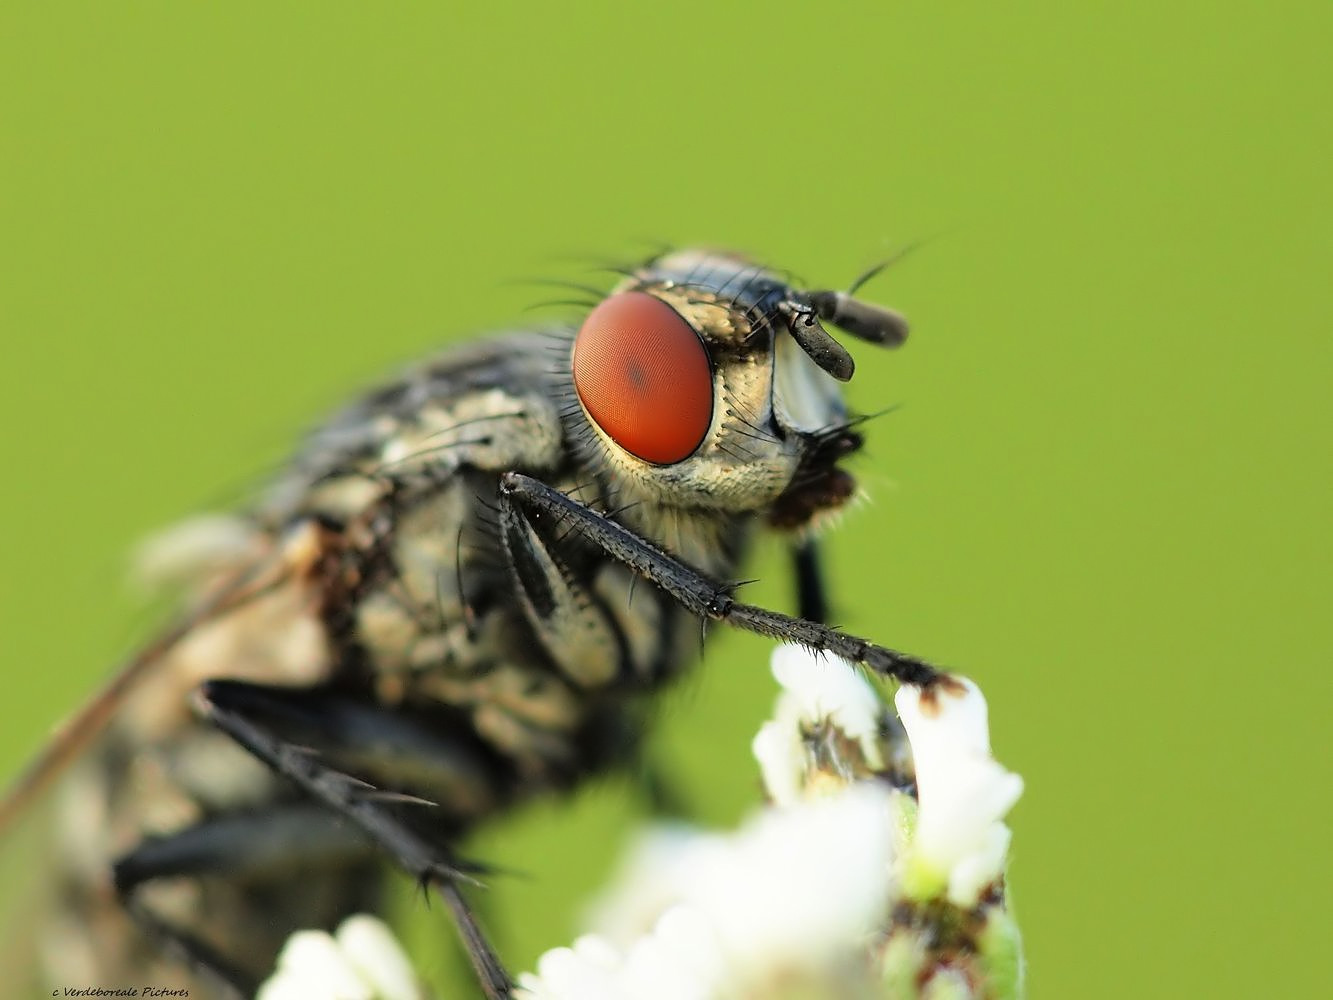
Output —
(643, 375)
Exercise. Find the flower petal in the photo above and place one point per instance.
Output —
(959, 844)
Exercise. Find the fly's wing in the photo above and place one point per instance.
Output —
(71, 737)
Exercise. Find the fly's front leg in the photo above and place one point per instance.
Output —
(696, 592)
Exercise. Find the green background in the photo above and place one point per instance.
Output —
(1105, 492)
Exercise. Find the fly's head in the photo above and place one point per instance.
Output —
(709, 383)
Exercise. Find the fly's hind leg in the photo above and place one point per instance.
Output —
(257, 718)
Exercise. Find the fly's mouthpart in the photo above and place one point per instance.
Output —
(820, 486)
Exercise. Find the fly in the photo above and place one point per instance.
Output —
(464, 591)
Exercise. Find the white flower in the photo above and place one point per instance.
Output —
(960, 842)
(676, 960)
(362, 962)
(794, 892)
(654, 868)
(816, 689)
(808, 896)
(798, 886)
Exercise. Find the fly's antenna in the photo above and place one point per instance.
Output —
(863, 320)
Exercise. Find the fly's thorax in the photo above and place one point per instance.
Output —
(692, 392)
